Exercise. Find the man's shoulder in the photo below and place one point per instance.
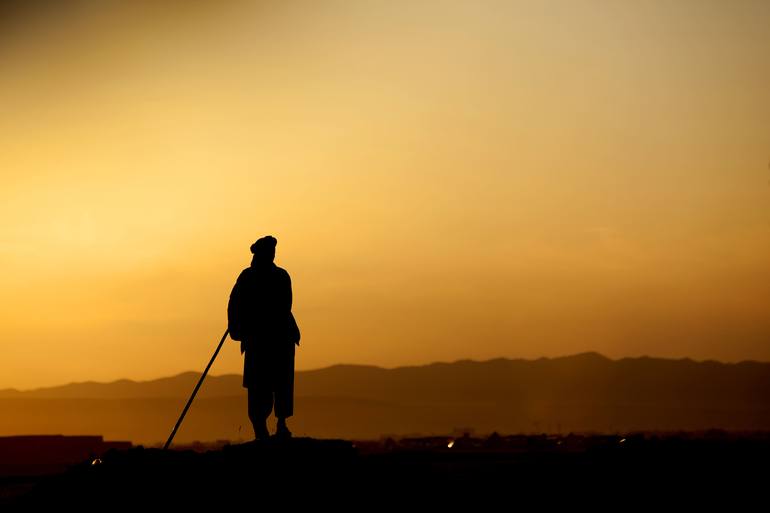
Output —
(249, 271)
(244, 274)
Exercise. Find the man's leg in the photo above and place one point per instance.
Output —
(284, 392)
(282, 430)
(260, 404)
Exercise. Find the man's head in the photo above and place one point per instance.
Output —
(264, 250)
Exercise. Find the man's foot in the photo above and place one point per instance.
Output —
(282, 430)
(261, 432)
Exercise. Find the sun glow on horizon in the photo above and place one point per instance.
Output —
(446, 180)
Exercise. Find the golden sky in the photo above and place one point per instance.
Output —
(446, 180)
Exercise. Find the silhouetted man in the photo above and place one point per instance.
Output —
(259, 315)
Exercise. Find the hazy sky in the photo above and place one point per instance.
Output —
(446, 180)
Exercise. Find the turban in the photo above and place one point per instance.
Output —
(268, 242)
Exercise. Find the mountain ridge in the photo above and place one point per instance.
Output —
(578, 393)
(188, 378)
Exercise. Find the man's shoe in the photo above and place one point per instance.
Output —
(282, 431)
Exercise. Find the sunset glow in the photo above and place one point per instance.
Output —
(446, 180)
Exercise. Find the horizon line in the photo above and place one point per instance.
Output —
(462, 360)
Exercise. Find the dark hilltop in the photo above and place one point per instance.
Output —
(601, 470)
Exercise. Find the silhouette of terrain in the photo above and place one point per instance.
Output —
(609, 471)
(581, 393)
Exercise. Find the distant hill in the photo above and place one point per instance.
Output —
(584, 392)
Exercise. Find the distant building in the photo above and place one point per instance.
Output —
(50, 454)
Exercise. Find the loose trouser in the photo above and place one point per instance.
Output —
(268, 374)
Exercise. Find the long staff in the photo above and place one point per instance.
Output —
(200, 382)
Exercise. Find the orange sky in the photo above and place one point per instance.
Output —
(446, 180)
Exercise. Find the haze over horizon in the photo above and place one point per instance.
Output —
(580, 393)
(446, 180)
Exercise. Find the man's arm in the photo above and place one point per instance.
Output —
(288, 288)
(294, 329)
(235, 308)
